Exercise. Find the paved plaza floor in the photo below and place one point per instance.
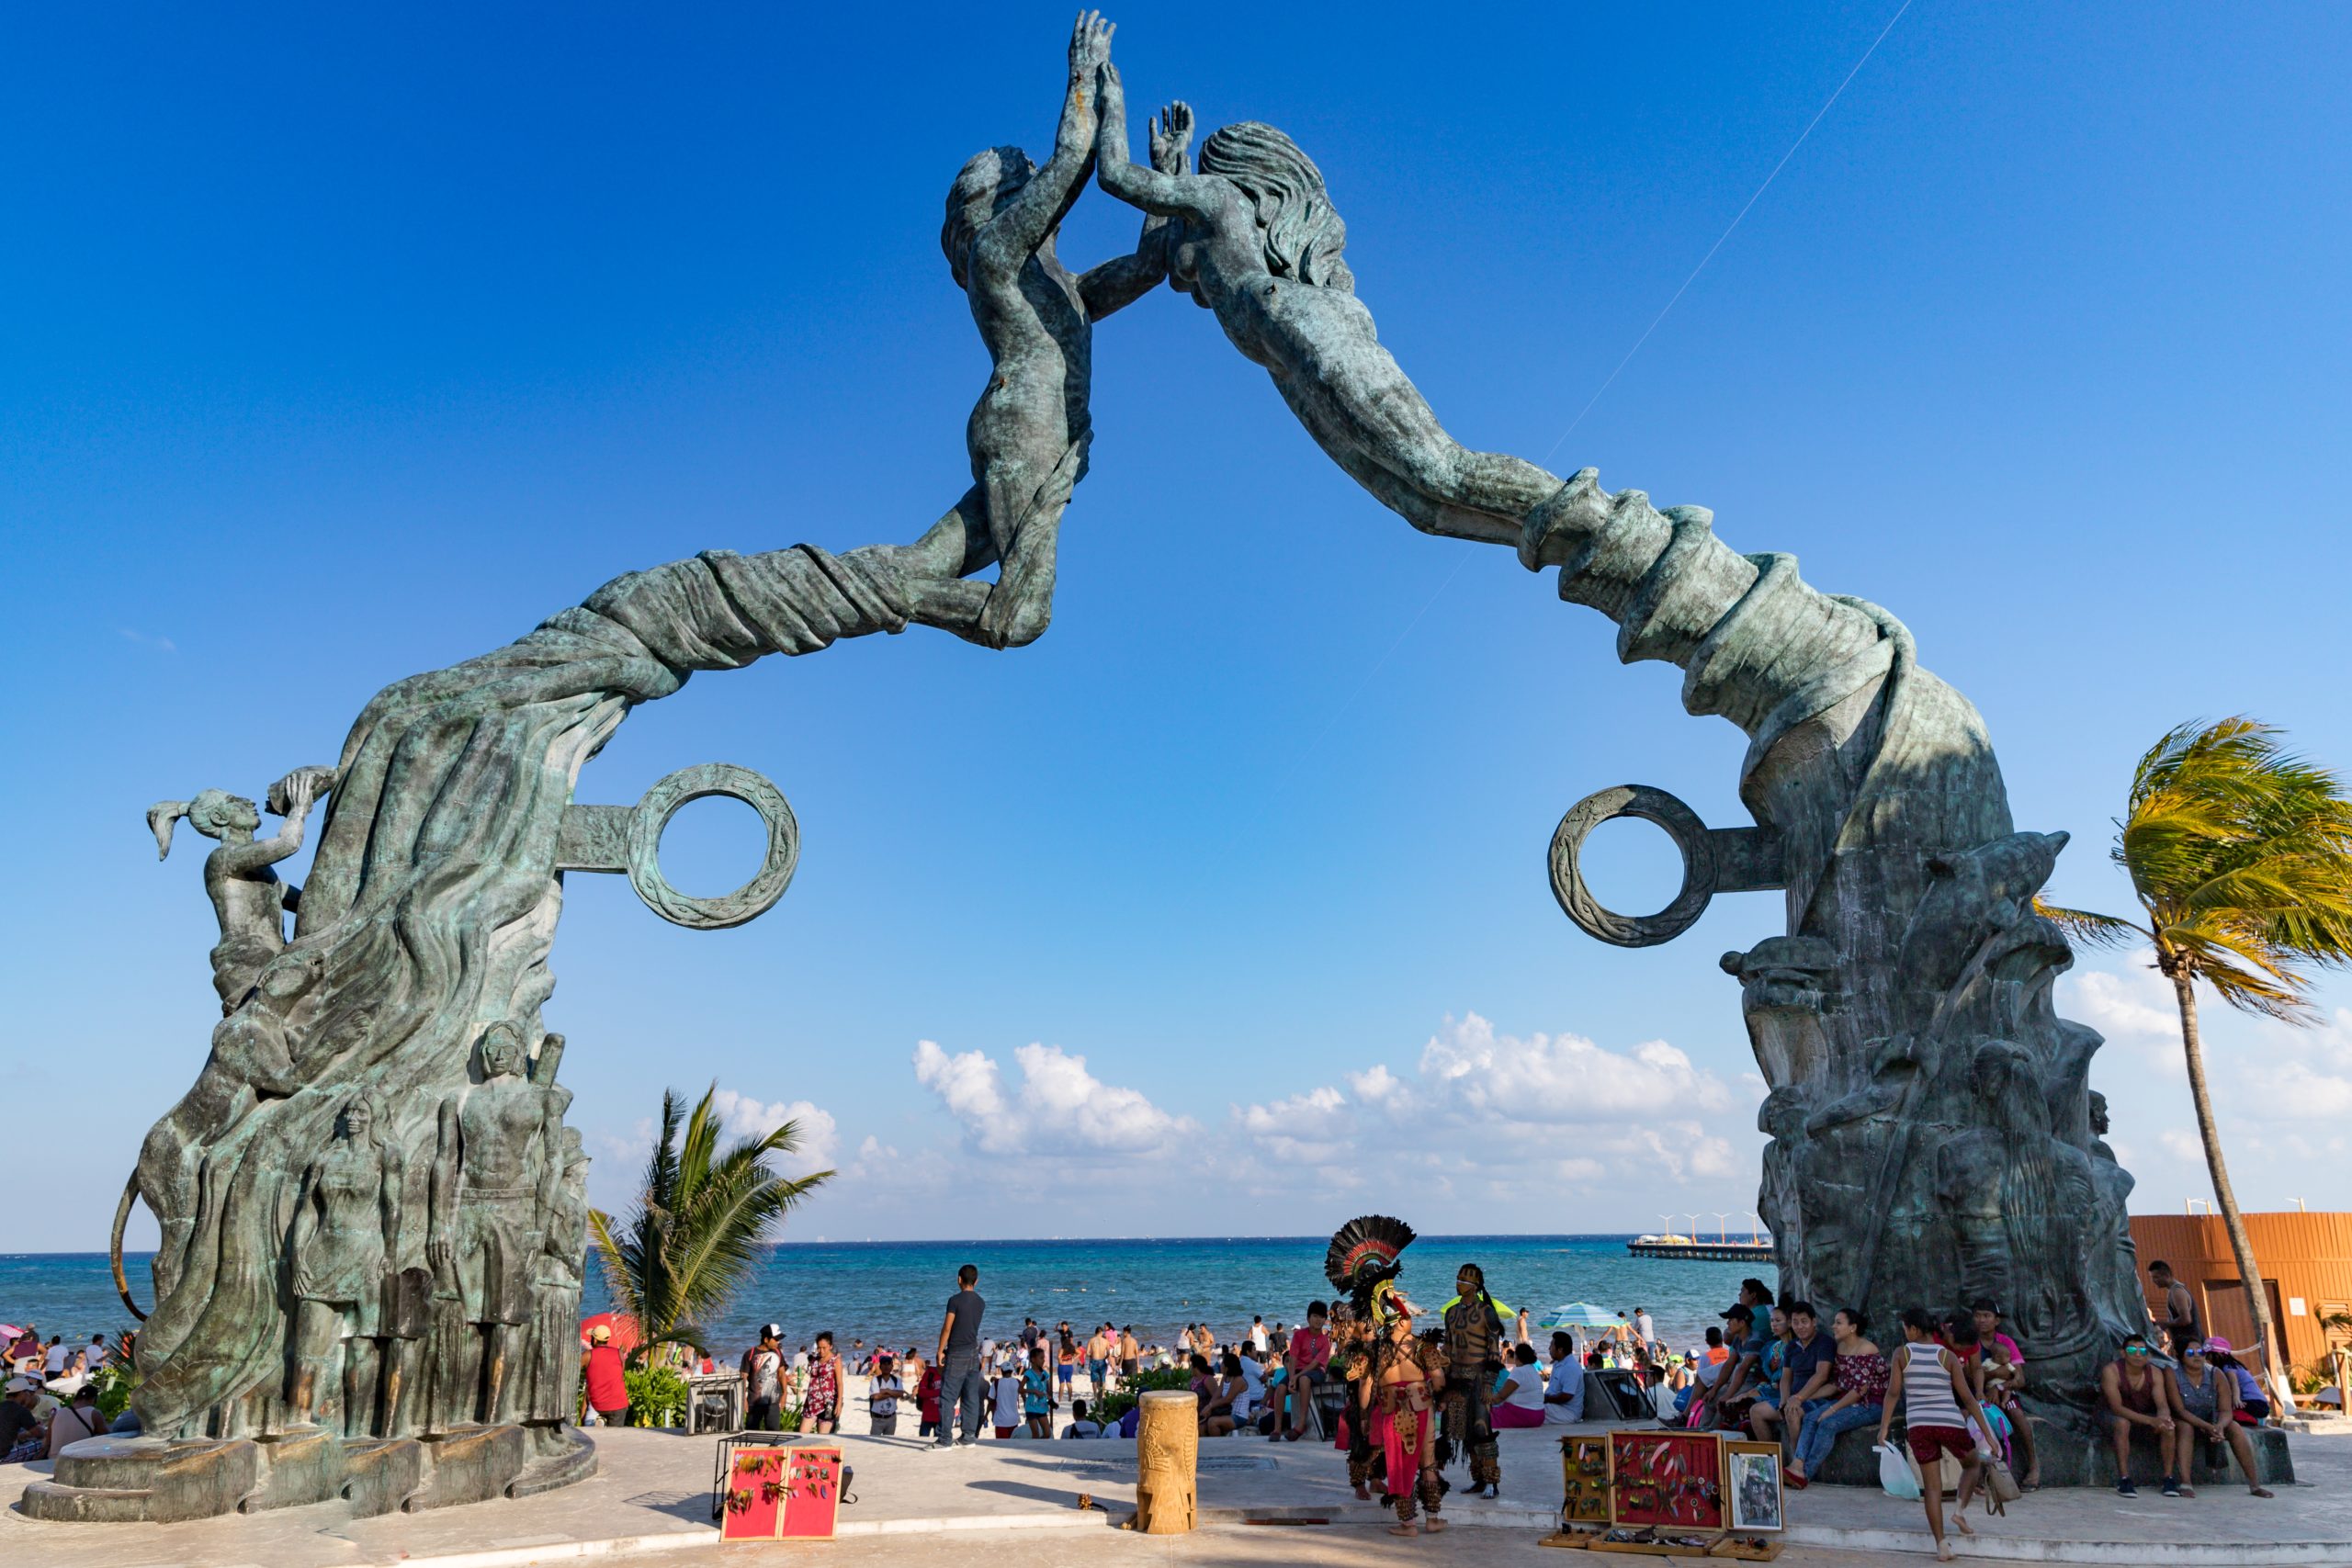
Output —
(1260, 1502)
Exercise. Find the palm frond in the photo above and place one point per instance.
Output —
(695, 1233)
(2090, 929)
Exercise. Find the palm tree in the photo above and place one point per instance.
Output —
(2240, 857)
(697, 1225)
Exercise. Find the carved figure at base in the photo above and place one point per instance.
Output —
(1028, 435)
(552, 1361)
(482, 1237)
(345, 1232)
(2017, 1199)
(248, 899)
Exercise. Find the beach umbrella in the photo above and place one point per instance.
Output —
(624, 1327)
(1581, 1314)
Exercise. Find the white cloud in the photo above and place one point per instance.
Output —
(1509, 1119)
(1548, 1080)
(2181, 1144)
(818, 1137)
(1059, 1106)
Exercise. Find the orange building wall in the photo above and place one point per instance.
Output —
(2305, 1258)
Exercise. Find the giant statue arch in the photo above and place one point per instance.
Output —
(372, 1213)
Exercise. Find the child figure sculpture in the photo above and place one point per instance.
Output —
(1029, 433)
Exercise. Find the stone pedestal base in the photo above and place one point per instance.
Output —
(147, 1479)
(385, 1473)
(471, 1465)
(298, 1468)
(2069, 1460)
(157, 1480)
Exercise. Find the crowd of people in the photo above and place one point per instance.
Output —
(50, 1394)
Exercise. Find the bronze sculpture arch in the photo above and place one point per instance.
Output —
(1930, 1116)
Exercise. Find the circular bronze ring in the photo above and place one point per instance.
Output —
(652, 816)
(1681, 825)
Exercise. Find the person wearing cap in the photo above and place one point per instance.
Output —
(1744, 1348)
(606, 1379)
(882, 1396)
(763, 1373)
(20, 1424)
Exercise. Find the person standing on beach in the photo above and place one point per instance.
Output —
(763, 1373)
(1473, 1336)
(600, 1373)
(1098, 1359)
(962, 1389)
(1130, 1354)
(820, 1408)
(882, 1397)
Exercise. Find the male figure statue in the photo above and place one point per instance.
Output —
(481, 1236)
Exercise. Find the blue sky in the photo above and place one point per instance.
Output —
(343, 347)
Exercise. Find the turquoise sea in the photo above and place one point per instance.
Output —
(892, 1292)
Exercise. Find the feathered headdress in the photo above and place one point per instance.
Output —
(1364, 1252)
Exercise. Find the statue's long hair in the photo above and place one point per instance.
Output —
(1304, 236)
(986, 182)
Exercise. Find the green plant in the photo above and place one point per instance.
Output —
(657, 1397)
(699, 1220)
(2241, 858)
(114, 1382)
(1114, 1406)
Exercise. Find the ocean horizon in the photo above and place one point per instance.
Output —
(893, 1292)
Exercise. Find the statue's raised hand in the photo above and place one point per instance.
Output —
(1089, 44)
(1171, 138)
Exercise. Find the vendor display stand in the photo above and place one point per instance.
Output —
(1668, 1494)
(765, 1491)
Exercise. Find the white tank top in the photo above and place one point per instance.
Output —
(1927, 1398)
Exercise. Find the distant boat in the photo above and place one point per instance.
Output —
(1686, 1247)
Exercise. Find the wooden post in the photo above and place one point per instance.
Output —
(1168, 1446)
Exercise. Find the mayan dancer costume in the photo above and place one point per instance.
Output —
(1474, 1342)
(1364, 1254)
(1402, 1394)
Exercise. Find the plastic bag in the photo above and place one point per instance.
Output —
(1895, 1474)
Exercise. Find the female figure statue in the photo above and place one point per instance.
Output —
(1260, 244)
(247, 898)
(1029, 433)
(343, 1234)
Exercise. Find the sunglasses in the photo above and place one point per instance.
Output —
(2135, 1350)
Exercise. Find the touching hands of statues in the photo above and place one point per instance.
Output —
(301, 791)
(305, 1281)
(1171, 138)
(1090, 45)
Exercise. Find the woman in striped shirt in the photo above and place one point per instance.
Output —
(1927, 1378)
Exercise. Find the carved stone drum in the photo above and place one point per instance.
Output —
(1168, 1445)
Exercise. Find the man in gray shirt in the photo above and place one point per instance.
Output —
(961, 1384)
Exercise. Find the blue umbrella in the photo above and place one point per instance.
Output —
(1581, 1314)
